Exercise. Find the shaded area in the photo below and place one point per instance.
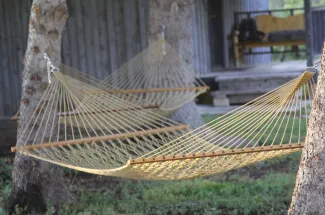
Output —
(8, 135)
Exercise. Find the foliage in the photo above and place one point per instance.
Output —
(318, 3)
(5, 183)
(237, 194)
(279, 4)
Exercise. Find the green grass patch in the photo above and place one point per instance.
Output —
(278, 130)
(238, 195)
(5, 184)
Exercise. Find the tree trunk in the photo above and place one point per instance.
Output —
(36, 183)
(176, 15)
(309, 193)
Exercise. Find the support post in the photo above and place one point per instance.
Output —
(309, 32)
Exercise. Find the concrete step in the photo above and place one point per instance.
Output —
(241, 91)
(247, 76)
(211, 110)
(236, 87)
(244, 88)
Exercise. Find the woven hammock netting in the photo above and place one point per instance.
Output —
(111, 135)
(158, 76)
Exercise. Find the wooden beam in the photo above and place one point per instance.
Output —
(216, 153)
(152, 90)
(272, 43)
(309, 32)
(15, 118)
(100, 138)
(107, 111)
(152, 106)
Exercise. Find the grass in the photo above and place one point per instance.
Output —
(5, 183)
(234, 195)
(263, 188)
(280, 130)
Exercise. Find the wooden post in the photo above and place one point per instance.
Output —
(235, 41)
(309, 32)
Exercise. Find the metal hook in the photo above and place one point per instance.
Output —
(314, 67)
(50, 67)
(317, 63)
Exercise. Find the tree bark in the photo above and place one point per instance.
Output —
(176, 15)
(35, 183)
(309, 193)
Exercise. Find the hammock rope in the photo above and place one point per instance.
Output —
(157, 76)
(109, 135)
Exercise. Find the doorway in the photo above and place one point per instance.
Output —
(216, 38)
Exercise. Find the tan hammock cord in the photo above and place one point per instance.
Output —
(158, 76)
(108, 135)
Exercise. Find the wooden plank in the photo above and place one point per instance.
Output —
(83, 52)
(269, 23)
(272, 43)
(308, 20)
(151, 106)
(153, 90)
(101, 138)
(215, 154)
(112, 45)
(94, 19)
(102, 38)
(119, 31)
(15, 118)
(142, 25)
(108, 110)
(2, 63)
(6, 69)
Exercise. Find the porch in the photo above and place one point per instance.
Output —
(259, 71)
(234, 87)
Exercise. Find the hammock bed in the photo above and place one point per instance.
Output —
(158, 76)
(133, 142)
(157, 79)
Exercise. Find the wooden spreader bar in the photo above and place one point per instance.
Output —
(101, 138)
(15, 118)
(151, 106)
(152, 90)
(215, 154)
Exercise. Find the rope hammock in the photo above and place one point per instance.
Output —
(158, 76)
(111, 136)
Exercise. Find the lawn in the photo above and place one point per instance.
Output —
(278, 130)
(263, 188)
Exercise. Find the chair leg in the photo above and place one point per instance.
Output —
(283, 54)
